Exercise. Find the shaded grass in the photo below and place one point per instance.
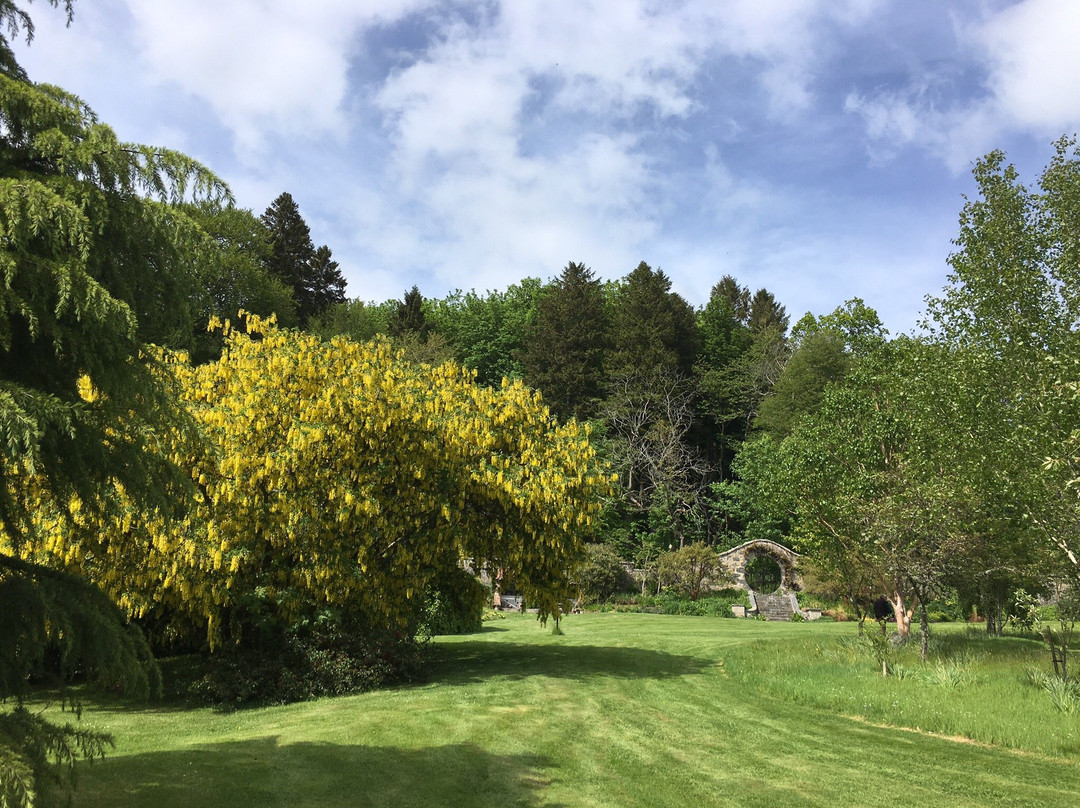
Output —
(624, 710)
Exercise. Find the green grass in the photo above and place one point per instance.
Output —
(971, 686)
(622, 710)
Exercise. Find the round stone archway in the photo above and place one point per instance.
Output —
(738, 558)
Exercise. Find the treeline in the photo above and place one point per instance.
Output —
(672, 392)
(940, 466)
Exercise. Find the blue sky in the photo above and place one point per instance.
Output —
(818, 148)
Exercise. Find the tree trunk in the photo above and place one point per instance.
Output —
(924, 628)
(903, 617)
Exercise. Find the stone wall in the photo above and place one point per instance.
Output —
(736, 559)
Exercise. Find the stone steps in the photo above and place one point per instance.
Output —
(774, 607)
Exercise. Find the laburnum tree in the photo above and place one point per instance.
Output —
(340, 476)
(95, 260)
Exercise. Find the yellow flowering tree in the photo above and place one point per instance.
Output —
(337, 475)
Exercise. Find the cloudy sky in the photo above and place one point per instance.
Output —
(819, 148)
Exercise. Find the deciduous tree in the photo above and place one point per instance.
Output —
(341, 476)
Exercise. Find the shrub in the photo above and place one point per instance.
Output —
(1023, 611)
(328, 658)
(455, 604)
(689, 570)
(602, 575)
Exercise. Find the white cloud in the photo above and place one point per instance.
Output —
(459, 116)
(1028, 54)
(262, 65)
(1034, 61)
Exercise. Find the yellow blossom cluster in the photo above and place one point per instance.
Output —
(338, 474)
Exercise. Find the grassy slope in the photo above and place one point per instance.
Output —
(624, 710)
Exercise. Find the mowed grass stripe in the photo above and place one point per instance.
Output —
(623, 710)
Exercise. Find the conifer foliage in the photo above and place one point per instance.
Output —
(95, 259)
(653, 329)
(312, 274)
(564, 356)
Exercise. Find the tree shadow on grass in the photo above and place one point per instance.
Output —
(464, 662)
(265, 772)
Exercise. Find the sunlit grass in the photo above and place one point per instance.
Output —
(623, 710)
(971, 686)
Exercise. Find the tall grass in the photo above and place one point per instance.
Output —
(971, 686)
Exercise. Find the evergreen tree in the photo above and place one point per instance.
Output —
(291, 250)
(765, 313)
(824, 350)
(649, 410)
(564, 356)
(312, 274)
(737, 297)
(725, 340)
(409, 317)
(653, 329)
(326, 285)
(96, 259)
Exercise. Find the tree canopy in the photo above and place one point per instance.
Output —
(338, 475)
(97, 258)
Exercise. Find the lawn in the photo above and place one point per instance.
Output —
(623, 710)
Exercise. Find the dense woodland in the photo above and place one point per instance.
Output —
(295, 487)
(930, 467)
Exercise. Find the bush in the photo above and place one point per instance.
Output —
(602, 575)
(455, 605)
(328, 659)
(945, 610)
(688, 571)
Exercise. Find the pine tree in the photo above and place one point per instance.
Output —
(564, 355)
(312, 274)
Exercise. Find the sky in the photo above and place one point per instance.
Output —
(818, 148)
